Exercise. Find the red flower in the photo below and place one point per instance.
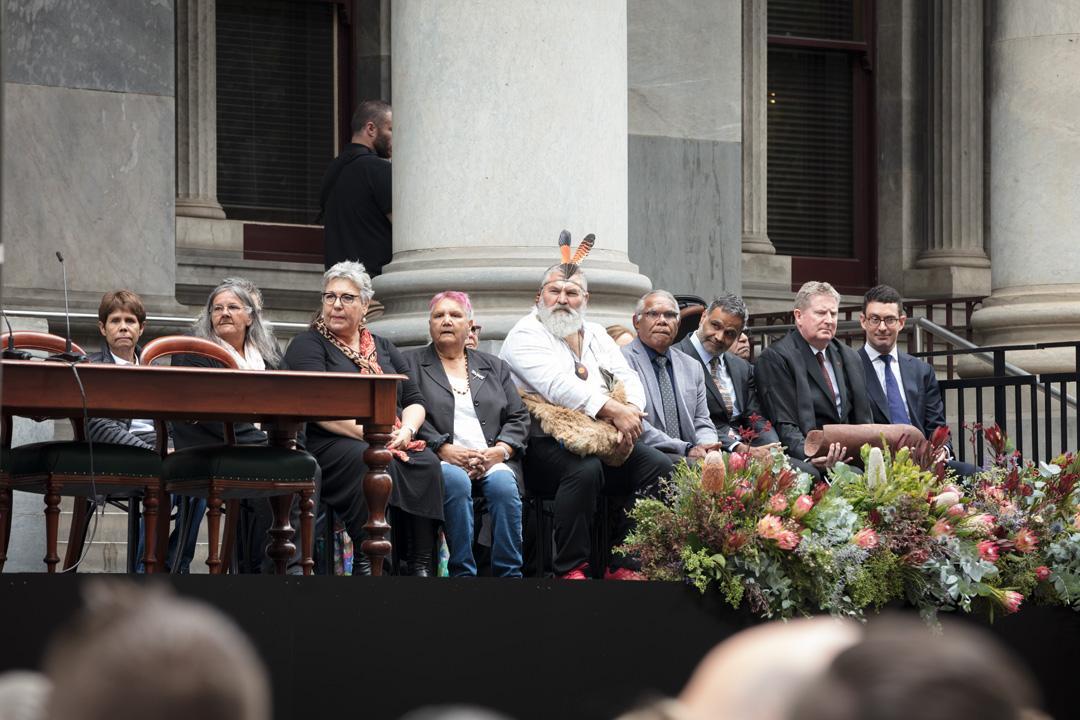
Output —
(770, 527)
(802, 505)
(917, 557)
(866, 538)
(941, 528)
(736, 462)
(788, 540)
(777, 503)
(988, 550)
(956, 510)
(1042, 573)
(940, 436)
(1025, 541)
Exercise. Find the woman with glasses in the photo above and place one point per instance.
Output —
(233, 319)
(478, 426)
(339, 341)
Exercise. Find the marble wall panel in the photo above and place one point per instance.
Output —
(686, 213)
(116, 45)
(91, 174)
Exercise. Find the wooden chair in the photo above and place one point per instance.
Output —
(63, 468)
(230, 473)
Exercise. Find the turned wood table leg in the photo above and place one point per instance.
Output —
(52, 525)
(213, 532)
(377, 485)
(151, 502)
(281, 546)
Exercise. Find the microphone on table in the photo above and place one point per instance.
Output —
(10, 353)
(68, 355)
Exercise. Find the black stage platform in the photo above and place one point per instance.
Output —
(533, 649)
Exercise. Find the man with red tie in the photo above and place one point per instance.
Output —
(809, 379)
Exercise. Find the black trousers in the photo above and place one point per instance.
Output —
(576, 483)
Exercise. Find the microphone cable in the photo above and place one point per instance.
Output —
(98, 502)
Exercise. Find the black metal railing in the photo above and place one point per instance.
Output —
(1041, 428)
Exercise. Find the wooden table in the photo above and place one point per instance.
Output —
(284, 398)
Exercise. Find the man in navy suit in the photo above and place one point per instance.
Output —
(902, 389)
(676, 413)
(730, 389)
(809, 379)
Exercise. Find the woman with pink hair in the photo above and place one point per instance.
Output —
(477, 425)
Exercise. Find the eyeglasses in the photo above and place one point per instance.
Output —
(657, 314)
(889, 322)
(330, 298)
(231, 309)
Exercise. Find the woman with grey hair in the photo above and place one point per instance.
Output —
(233, 319)
(339, 341)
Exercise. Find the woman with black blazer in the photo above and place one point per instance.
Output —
(477, 425)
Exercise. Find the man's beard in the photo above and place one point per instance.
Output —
(381, 146)
(561, 321)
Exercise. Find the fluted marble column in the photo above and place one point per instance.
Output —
(510, 124)
(955, 178)
(766, 276)
(1034, 180)
(196, 110)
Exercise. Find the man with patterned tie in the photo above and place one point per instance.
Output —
(677, 415)
(731, 390)
(902, 389)
(809, 379)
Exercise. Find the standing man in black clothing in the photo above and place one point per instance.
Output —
(357, 213)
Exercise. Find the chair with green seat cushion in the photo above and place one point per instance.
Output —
(230, 473)
(56, 469)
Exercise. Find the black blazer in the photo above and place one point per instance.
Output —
(925, 408)
(503, 417)
(796, 397)
(746, 397)
(191, 434)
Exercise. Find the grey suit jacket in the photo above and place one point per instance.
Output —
(499, 408)
(694, 424)
(746, 398)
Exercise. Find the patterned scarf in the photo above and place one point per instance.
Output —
(367, 359)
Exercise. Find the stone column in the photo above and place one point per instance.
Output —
(954, 261)
(196, 110)
(510, 124)
(766, 275)
(1034, 180)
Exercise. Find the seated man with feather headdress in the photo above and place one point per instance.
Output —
(588, 406)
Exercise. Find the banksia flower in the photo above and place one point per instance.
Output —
(875, 469)
(713, 473)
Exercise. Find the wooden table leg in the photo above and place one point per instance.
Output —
(151, 503)
(281, 546)
(377, 485)
(52, 525)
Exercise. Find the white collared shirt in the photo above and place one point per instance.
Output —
(544, 364)
(721, 371)
(879, 369)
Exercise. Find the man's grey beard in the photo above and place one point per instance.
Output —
(561, 322)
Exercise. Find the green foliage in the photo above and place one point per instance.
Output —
(878, 581)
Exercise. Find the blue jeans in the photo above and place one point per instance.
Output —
(503, 503)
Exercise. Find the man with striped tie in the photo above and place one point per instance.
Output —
(731, 391)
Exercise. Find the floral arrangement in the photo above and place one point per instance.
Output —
(904, 530)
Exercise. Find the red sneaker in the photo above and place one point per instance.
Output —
(578, 573)
(622, 574)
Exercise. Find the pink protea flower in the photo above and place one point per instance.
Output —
(736, 462)
(996, 492)
(1025, 541)
(988, 550)
(941, 528)
(1042, 573)
(777, 503)
(802, 505)
(866, 538)
(769, 527)
(788, 540)
(742, 490)
(1010, 600)
(982, 522)
(946, 499)
(956, 511)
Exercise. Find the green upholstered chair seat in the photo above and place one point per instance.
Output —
(72, 458)
(245, 463)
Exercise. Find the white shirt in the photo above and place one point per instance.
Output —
(879, 370)
(544, 364)
(467, 430)
(138, 425)
(252, 359)
(721, 371)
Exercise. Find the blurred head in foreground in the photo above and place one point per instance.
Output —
(138, 652)
(902, 670)
(23, 695)
(758, 673)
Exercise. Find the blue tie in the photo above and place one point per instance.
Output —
(897, 412)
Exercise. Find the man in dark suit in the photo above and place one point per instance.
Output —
(809, 379)
(676, 413)
(902, 389)
(730, 388)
